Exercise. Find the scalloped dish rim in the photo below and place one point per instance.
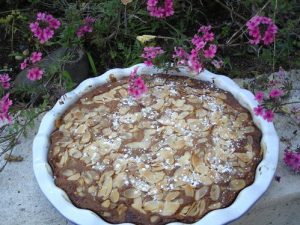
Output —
(245, 199)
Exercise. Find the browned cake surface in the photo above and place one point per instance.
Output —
(182, 150)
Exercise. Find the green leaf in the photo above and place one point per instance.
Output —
(68, 80)
(92, 63)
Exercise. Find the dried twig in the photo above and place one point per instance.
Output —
(231, 10)
(274, 45)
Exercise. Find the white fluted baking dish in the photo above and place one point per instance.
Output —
(245, 199)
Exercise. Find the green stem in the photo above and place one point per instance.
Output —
(289, 103)
(173, 28)
(274, 46)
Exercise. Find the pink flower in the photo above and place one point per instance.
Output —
(83, 30)
(35, 74)
(5, 104)
(53, 23)
(136, 86)
(181, 55)
(24, 64)
(259, 110)
(4, 81)
(160, 12)
(258, 23)
(150, 53)
(44, 26)
(89, 20)
(86, 27)
(194, 62)
(46, 35)
(276, 93)
(292, 159)
(217, 63)
(268, 115)
(259, 96)
(36, 57)
(198, 42)
(281, 72)
(210, 52)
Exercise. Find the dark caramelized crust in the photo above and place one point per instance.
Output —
(183, 149)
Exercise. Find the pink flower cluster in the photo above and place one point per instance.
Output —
(34, 58)
(267, 114)
(202, 47)
(5, 104)
(137, 85)
(160, 11)
(150, 53)
(35, 73)
(44, 26)
(4, 81)
(261, 29)
(292, 159)
(86, 27)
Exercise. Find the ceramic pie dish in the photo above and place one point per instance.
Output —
(244, 200)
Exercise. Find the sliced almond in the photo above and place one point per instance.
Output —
(242, 117)
(185, 210)
(106, 214)
(159, 104)
(185, 159)
(68, 173)
(179, 103)
(187, 107)
(215, 205)
(154, 219)
(249, 129)
(194, 209)
(175, 142)
(86, 137)
(132, 193)
(88, 179)
(124, 110)
(74, 177)
(153, 206)
(151, 177)
(81, 129)
(200, 193)
(123, 93)
(121, 209)
(170, 208)
(106, 188)
(206, 180)
(245, 157)
(137, 204)
(195, 161)
(172, 195)
(215, 192)
(73, 152)
(56, 150)
(114, 195)
(183, 115)
(105, 204)
(237, 184)
(201, 207)
(189, 191)
(92, 190)
(63, 159)
(201, 113)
